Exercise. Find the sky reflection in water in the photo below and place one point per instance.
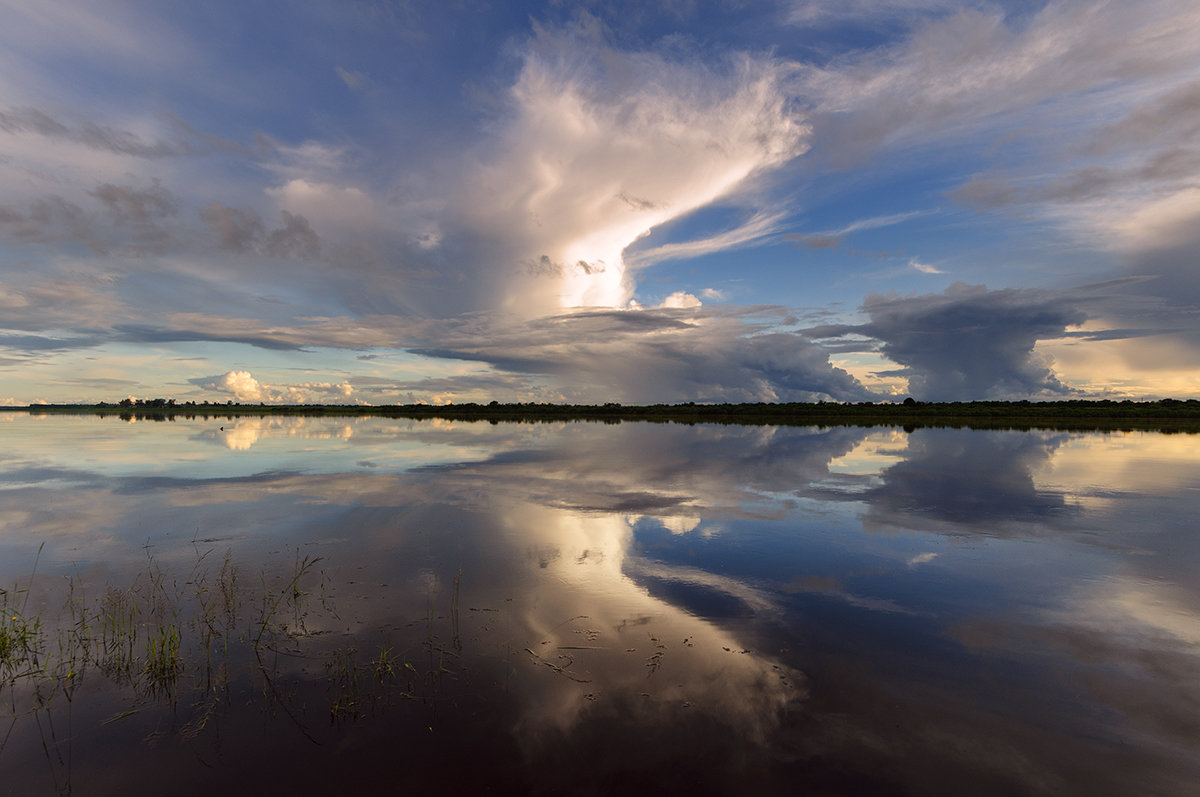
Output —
(588, 606)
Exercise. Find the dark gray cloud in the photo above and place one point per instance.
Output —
(129, 205)
(135, 333)
(49, 219)
(968, 342)
(295, 238)
(129, 220)
(1169, 119)
(237, 229)
(817, 241)
(46, 343)
(242, 230)
(95, 136)
(1079, 185)
(979, 484)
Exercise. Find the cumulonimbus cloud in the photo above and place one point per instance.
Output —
(603, 146)
(968, 342)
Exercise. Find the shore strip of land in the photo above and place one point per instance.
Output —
(1076, 414)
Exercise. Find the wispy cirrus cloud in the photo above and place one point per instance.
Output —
(759, 226)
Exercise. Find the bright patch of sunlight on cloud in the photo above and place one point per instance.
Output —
(1141, 367)
(873, 371)
(679, 299)
(606, 145)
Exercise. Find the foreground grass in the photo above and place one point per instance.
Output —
(196, 645)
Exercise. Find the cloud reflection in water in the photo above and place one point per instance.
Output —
(835, 609)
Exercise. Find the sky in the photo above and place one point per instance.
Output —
(781, 200)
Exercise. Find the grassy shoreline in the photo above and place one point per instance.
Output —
(1164, 415)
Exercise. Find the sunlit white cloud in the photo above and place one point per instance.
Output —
(240, 384)
(244, 386)
(924, 268)
(759, 226)
(345, 207)
(680, 300)
(875, 222)
(354, 80)
(605, 145)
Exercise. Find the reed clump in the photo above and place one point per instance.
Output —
(198, 646)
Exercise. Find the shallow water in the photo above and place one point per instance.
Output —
(536, 608)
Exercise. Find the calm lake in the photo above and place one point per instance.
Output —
(330, 605)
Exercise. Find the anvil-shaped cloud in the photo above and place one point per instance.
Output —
(603, 146)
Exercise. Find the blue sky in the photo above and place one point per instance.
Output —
(386, 202)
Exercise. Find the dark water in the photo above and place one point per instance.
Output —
(583, 608)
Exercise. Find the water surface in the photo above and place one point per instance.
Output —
(540, 608)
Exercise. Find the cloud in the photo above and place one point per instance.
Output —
(50, 219)
(354, 80)
(131, 221)
(242, 230)
(981, 483)
(592, 147)
(237, 229)
(648, 356)
(329, 205)
(924, 268)
(817, 241)
(1086, 113)
(137, 216)
(921, 558)
(957, 72)
(969, 342)
(818, 13)
(92, 135)
(680, 300)
(85, 304)
(835, 239)
(875, 222)
(244, 387)
(294, 239)
(601, 146)
(759, 226)
(240, 384)
(129, 205)
(456, 388)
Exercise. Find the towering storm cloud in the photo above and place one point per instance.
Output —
(601, 147)
(968, 342)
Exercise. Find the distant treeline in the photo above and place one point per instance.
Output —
(1167, 414)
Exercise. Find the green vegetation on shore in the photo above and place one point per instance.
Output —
(1167, 414)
